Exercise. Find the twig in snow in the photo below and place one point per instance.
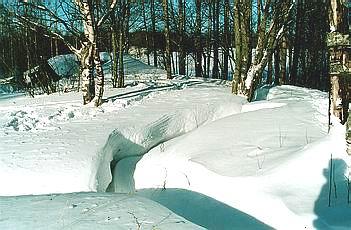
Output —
(165, 218)
(165, 181)
(334, 183)
(348, 186)
(330, 179)
(136, 221)
(260, 163)
(187, 178)
(162, 147)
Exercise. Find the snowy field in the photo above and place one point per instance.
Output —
(207, 158)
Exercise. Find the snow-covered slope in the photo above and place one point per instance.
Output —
(67, 65)
(53, 144)
(271, 162)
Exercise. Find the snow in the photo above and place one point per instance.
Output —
(67, 138)
(274, 155)
(88, 211)
(201, 153)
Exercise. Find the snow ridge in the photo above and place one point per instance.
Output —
(135, 142)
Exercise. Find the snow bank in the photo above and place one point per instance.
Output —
(136, 141)
(66, 65)
(53, 144)
(87, 211)
(270, 162)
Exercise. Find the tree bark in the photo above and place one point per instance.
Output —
(182, 54)
(198, 46)
(226, 40)
(87, 57)
(146, 32)
(167, 38)
(242, 32)
(153, 27)
(215, 38)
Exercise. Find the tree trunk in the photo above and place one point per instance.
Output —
(99, 86)
(277, 66)
(86, 64)
(146, 32)
(238, 48)
(182, 54)
(153, 27)
(226, 40)
(283, 55)
(198, 46)
(267, 42)
(114, 41)
(167, 38)
(269, 79)
(87, 57)
(215, 38)
(297, 43)
(209, 41)
(242, 32)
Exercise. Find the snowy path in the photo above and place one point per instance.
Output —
(68, 147)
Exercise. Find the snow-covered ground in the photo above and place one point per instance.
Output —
(188, 144)
(271, 162)
(87, 211)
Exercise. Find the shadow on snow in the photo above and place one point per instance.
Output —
(203, 210)
(338, 214)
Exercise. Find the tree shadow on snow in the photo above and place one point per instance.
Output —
(338, 213)
(203, 210)
(149, 89)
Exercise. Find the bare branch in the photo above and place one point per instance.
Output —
(111, 9)
(34, 26)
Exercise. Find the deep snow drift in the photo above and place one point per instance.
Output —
(47, 139)
(271, 162)
(188, 144)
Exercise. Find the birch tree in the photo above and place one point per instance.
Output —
(242, 27)
(271, 28)
(88, 50)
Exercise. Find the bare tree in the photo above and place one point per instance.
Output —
(242, 26)
(87, 52)
(272, 27)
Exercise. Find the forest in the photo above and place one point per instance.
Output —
(249, 42)
(175, 114)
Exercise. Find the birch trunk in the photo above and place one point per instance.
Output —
(87, 77)
(242, 28)
(267, 42)
(87, 56)
(99, 86)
